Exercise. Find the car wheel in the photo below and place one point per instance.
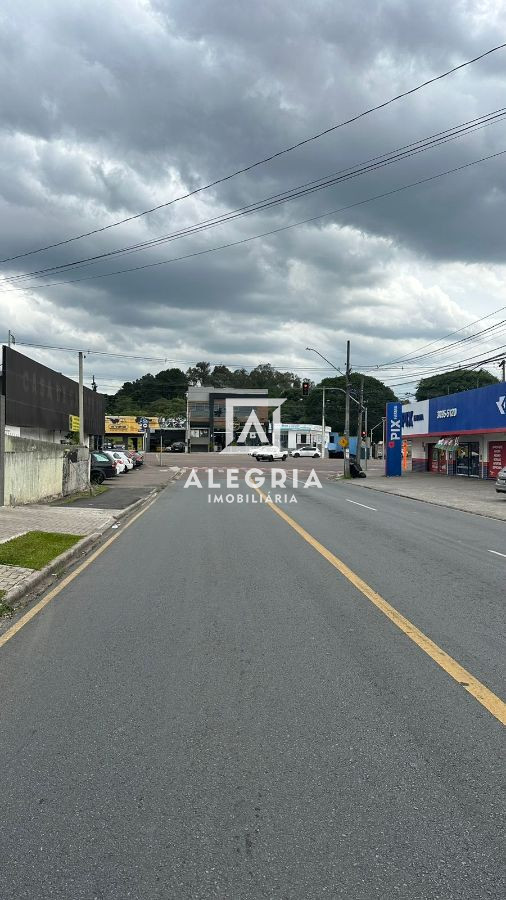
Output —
(283, 457)
(315, 455)
(97, 477)
(296, 454)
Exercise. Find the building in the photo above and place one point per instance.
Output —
(460, 434)
(206, 425)
(39, 454)
(292, 435)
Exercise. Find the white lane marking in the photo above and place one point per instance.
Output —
(361, 504)
(497, 553)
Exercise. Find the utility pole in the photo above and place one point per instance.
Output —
(347, 414)
(359, 423)
(502, 365)
(93, 384)
(10, 338)
(81, 400)
(323, 425)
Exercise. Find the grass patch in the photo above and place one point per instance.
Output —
(35, 549)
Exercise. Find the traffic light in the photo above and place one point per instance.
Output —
(305, 388)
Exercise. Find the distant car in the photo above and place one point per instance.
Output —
(178, 447)
(269, 453)
(500, 484)
(306, 450)
(101, 467)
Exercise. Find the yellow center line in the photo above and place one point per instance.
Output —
(479, 691)
(38, 607)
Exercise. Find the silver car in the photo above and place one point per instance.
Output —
(500, 484)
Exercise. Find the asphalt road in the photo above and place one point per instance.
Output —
(211, 710)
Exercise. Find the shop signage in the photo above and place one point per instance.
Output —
(496, 458)
(482, 409)
(394, 442)
(415, 418)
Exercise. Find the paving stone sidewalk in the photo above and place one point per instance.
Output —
(20, 519)
(467, 494)
(16, 520)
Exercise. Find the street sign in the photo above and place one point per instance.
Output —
(343, 442)
(73, 423)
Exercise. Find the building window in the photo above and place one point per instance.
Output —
(199, 433)
(199, 409)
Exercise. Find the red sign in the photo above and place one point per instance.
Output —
(496, 458)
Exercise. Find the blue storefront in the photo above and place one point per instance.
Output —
(458, 434)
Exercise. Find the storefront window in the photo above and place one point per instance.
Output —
(467, 459)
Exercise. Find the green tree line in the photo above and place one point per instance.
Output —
(163, 394)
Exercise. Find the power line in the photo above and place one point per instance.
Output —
(266, 159)
(372, 165)
(436, 341)
(255, 237)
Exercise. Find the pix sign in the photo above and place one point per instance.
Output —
(394, 439)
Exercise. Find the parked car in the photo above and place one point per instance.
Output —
(118, 464)
(101, 467)
(269, 453)
(117, 460)
(178, 447)
(500, 484)
(124, 457)
(306, 450)
(136, 458)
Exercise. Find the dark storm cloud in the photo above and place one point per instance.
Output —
(115, 107)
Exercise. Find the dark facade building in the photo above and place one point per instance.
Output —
(206, 421)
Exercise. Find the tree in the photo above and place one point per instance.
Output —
(199, 374)
(166, 409)
(453, 382)
(376, 396)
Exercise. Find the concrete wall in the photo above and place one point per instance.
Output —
(38, 470)
(76, 470)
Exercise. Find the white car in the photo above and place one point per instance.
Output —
(306, 450)
(129, 463)
(118, 464)
(122, 463)
(269, 453)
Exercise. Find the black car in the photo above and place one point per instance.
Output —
(101, 467)
(177, 447)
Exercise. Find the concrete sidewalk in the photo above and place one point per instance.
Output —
(470, 495)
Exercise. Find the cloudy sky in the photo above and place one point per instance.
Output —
(113, 107)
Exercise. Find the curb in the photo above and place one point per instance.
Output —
(32, 581)
(68, 556)
(469, 512)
